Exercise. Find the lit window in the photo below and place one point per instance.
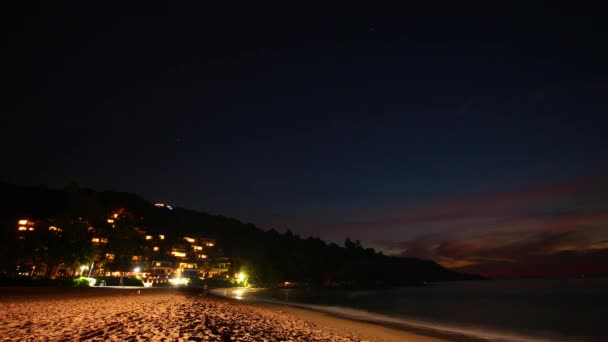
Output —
(148, 237)
(158, 264)
(31, 228)
(179, 254)
(189, 239)
(95, 239)
(103, 240)
(202, 256)
(209, 244)
(23, 222)
(156, 248)
(109, 256)
(110, 221)
(197, 248)
(162, 237)
(22, 228)
(136, 258)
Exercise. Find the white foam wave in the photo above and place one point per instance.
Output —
(363, 315)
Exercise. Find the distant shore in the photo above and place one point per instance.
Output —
(98, 314)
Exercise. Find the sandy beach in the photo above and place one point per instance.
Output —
(51, 314)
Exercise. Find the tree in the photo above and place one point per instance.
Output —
(124, 242)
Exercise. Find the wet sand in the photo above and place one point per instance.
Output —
(360, 331)
(98, 314)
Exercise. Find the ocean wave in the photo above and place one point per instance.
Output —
(462, 331)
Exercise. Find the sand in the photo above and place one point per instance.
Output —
(168, 315)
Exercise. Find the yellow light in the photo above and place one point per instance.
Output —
(156, 248)
(31, 228)
(23, 222)
(162, 237)
(115, 216)
(110, 221)
(189, 239)
(103, 240)
(179, 281)
(197, 248)
(148, 237)
(179, 254)
(238, 294)
(203, 256)
(22, 228)
(95, 239)
(210, 244)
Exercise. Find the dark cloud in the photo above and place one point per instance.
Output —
(589, 262)
(511, 250)
(498, 206)
(493, 246)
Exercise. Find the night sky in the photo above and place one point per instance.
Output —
(473, 136)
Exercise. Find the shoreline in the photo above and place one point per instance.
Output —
(370, 330)
(400, 331)
(393, 325)
(363, 329)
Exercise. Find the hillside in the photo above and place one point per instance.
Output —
(268, 257)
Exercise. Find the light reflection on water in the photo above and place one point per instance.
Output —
(571, 308)
(240, 293)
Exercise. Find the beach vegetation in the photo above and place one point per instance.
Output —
(84, 282)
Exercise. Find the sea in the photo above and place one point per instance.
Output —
(564, 309)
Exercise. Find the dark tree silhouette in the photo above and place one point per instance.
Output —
(268, 257)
